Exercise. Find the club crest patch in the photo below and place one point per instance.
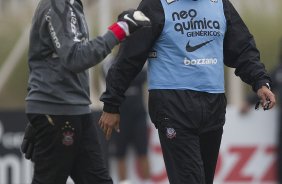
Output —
(68, 134)
(170, 133)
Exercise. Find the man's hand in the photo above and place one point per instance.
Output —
(267, 98)
(108, 122)
(135, 19)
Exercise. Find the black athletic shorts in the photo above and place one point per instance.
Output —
(67, 146)
(133, 129)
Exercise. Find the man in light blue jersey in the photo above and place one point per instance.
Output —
(187, 47)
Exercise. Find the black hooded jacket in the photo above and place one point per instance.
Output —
(59, 56)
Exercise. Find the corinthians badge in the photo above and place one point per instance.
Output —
(68, 133)
(170, 133)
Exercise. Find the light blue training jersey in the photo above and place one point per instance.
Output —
(189, 52)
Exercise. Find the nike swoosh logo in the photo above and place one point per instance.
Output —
(190, 48)
(129, 19)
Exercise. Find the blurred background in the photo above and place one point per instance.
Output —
(248, 153)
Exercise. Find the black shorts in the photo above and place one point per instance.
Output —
(133, 129)
(67, 146)
(190, 129)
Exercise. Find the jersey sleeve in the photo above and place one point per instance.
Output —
(69, 34)
(132, 56)
(240, 51)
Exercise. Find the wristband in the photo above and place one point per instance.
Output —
(120, 30)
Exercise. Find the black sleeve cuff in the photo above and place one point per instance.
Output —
(111, 109)
(259, 84)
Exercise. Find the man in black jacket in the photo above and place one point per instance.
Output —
(187, 47)
(64, 140)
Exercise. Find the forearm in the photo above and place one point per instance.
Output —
(81, 56)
